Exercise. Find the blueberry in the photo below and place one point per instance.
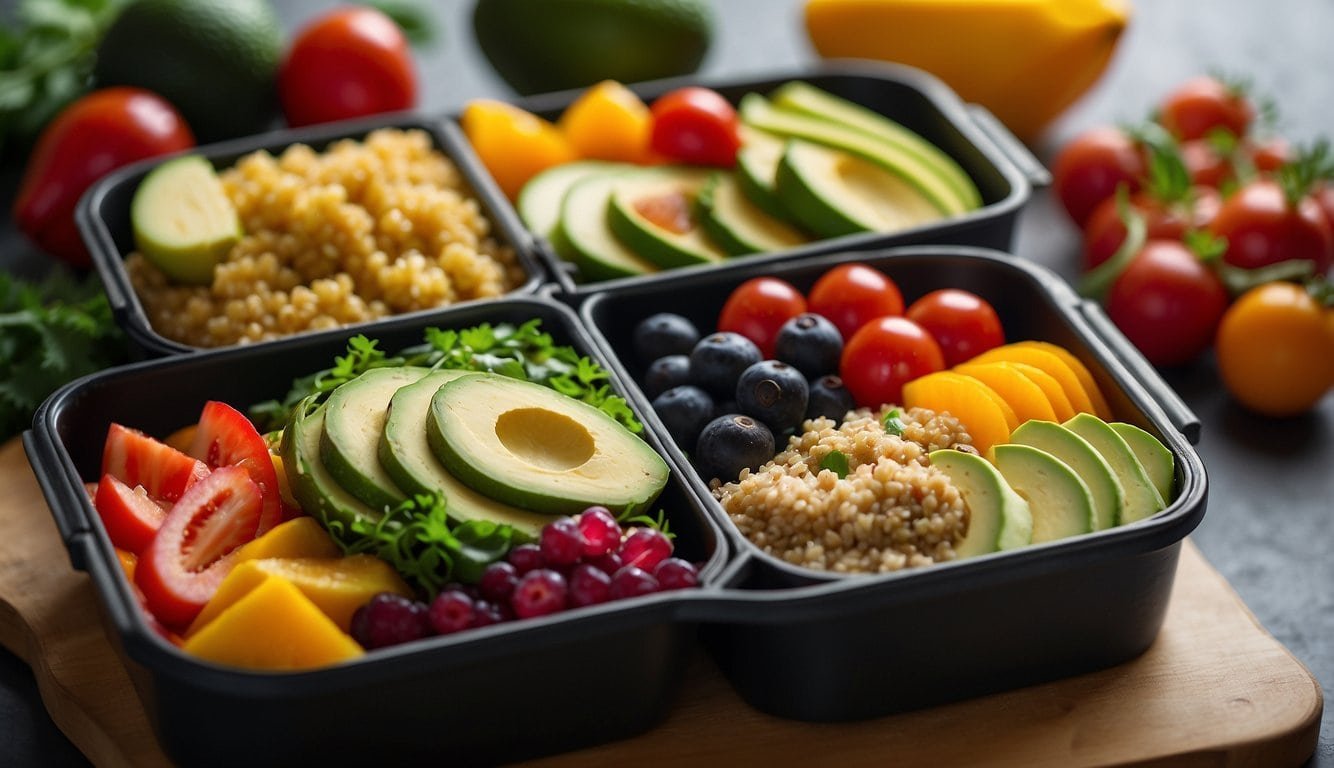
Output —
(684, 411)
(809, 343)
(664, 334)
(718, 360)
(829, 398)
(773, 392)
(665, 373)
(730, 444)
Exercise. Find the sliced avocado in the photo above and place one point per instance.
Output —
(739, 226)
(654, 212)
(353, 421)
(530, 446)
(757, 168)
(1140, 498)
(1153, 455)
(1084, 459)
(312, 485)
(834, 193)
(183, 221)
(998, 518)
(1058, 498)
(584, 228)
(406, 455)
(807, 99)
(759, 113)
(540, 199)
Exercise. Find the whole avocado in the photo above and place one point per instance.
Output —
(214, 60)
(551, 45)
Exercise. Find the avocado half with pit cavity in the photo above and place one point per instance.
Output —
(532, 447)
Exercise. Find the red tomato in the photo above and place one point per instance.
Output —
(1089, 169)
(1204, 104)
(963, 324)
(1324, 197)
(1262, 227)
(1269, 156)
(194, 549)
(885, 354)
(1167, 302)
(852, 295)
(758, 308)
(134, 458)
(225, 437)
(92, 136)
(1105, 231)
(1210, 168)
(350, 62)
(130, 515)
(695, 125)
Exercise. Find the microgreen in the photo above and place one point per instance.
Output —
(893, 422)
(836, 462)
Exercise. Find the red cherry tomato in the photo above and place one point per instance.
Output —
(1262, 227)
(1089, 169)
(885, 354)
(1210, 168)
(695, 125)
(852, 295)
(1167, 302)
(225, 437)
(1204, 104)
(1106, 231)
(136, 459)
(347, 63)
(758, 308)
(963, 324)
(92, 136)
(1324, 197)
(183, 565)
(130, 515)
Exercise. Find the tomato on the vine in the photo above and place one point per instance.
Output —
(1167, 302)
(1263, 226)
(1212, 165)
(695, 125)
(1090, 168)
(885, 354)
(963, 324)
(758, 308)
(1205, 104)
(852, 295)
(1275, 349)
(1163, 220)
(225, 437)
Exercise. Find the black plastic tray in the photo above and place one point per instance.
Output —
(817, 646)
(1004, 171)
(500, 693)
(103, 215)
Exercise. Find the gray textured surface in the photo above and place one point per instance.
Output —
(1270, 523)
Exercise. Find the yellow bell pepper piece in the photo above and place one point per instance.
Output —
(608, 122)
(513, 144)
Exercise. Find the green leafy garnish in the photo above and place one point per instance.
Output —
(836, 462)
(893, 422)
(628, 517)
(414, 17)
(362, 355)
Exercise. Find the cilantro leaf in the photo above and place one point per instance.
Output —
(836, 462)
(893, 422)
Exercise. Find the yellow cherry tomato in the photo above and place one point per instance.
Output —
(1275, 349)
(513, 144)
(608, 122)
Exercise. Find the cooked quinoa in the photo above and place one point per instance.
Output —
(892, 510)
(360, 231)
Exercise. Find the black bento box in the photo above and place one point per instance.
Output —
(103, 215)
(1004, 171)
(495, 694)
(825, 647)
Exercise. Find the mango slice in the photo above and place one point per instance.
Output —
(299, 537)
(274, 626)
(969, 400)
(608, 122)
(513, 144)
(1026, 398)
(1053, 365)
(1060, 404)
(1100, 407)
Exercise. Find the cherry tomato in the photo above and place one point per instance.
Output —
(1262, 227)
(1167, 302)
(136, 459)
(758, 308)
(885, 354)
(852, 295)
(194, 549)
(1163, 220)
(1089, 169)
(1210, 168)
(350, 62)
(225, 437)
(695, 125)
(1275, 349)
(1324, 197)
(130, 515)
(96, 134)
(1204, 104)
(963, 324)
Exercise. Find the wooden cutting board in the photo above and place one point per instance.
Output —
(1215, 689)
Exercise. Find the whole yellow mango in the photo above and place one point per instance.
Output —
(1025, 60)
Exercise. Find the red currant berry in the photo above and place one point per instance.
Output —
(632, 582)
(675, 573)
(645, 548)
(602, 534)
(451, 611)
(588, 586)
(538, 593)
(562, 544)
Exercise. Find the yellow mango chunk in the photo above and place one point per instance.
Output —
(1060, 404)
(514, 144)
(1025, 397)
(275, 626)
(128, 562)
(1100, 407)
(969, 400)
(1048, 362)
(299, 537)
(608, 122)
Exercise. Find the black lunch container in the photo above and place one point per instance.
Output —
(817, 646)
(103, 215)
(1004, 171)
(500, 693)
